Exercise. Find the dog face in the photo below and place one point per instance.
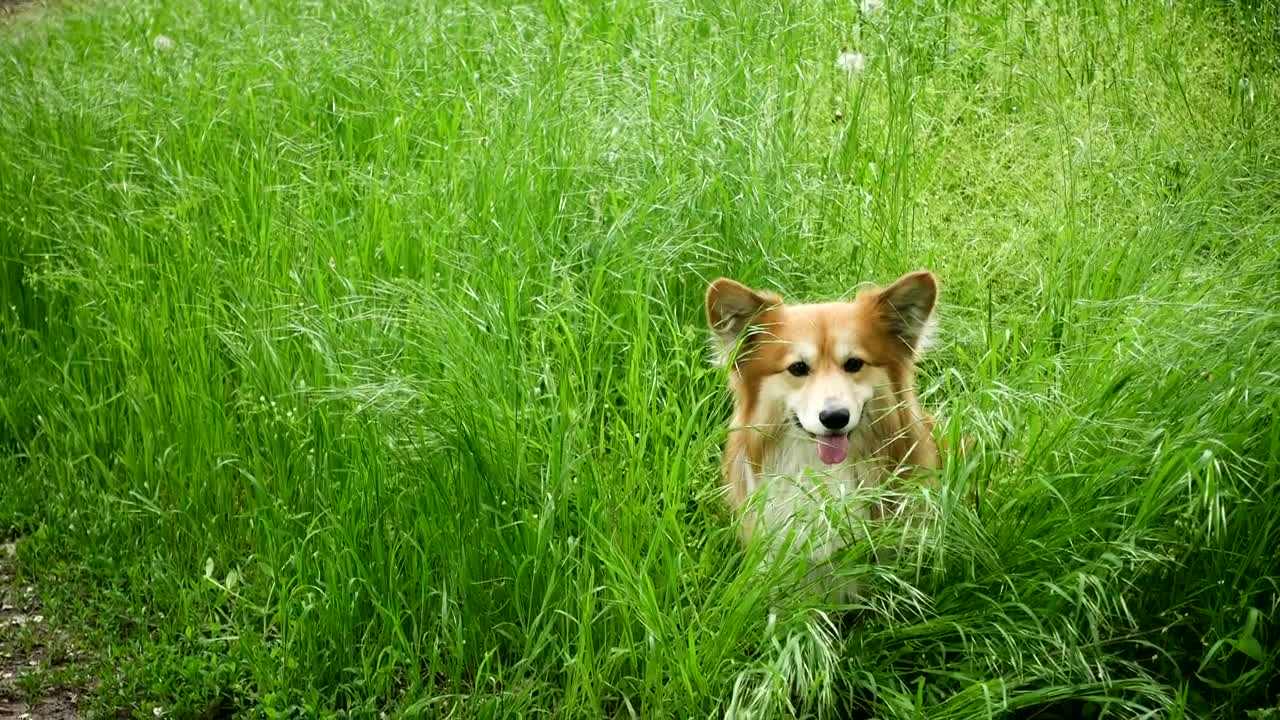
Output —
(823, 369)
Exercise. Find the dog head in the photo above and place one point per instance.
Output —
(825, 367)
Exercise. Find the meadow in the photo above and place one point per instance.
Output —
(354, 358)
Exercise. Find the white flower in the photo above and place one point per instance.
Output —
(163, 42)
(871, 7)
(851, 62)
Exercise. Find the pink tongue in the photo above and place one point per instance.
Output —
(833, 448)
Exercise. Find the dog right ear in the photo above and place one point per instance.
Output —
(731, 308)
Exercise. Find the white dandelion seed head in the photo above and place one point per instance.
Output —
(871, 7)
(163, 42)
(851, 62)
(1246, 88)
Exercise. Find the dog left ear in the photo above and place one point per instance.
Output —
(906, 308)
(731, 309)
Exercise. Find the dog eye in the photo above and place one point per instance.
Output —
(799, 369)
(853, 365)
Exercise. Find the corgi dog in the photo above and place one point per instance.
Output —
(825, 406)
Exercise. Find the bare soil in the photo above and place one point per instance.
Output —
(37, 661)
(14, 8)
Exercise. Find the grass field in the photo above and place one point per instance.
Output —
(354, 358)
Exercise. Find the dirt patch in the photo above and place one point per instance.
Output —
(20, 9)
(37, 661)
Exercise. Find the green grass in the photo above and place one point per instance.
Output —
(354, 361)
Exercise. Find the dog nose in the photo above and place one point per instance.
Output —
(834, 419)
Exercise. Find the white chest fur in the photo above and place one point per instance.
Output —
(809, 507)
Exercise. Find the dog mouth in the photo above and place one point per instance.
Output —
(833, 448)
